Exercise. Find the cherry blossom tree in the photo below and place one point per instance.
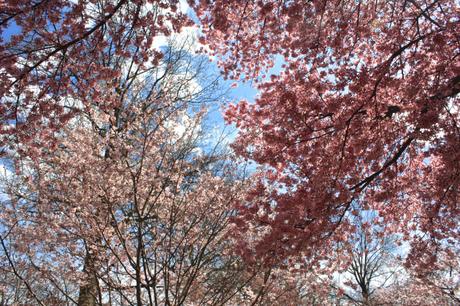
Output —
(141, 210)
(137, 218)
(363, 113)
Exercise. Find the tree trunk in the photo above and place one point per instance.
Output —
(88, 291)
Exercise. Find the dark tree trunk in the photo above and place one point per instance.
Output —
(88, 290)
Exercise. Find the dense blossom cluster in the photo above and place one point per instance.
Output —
(363, 116)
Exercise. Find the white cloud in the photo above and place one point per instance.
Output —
(183, 6)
